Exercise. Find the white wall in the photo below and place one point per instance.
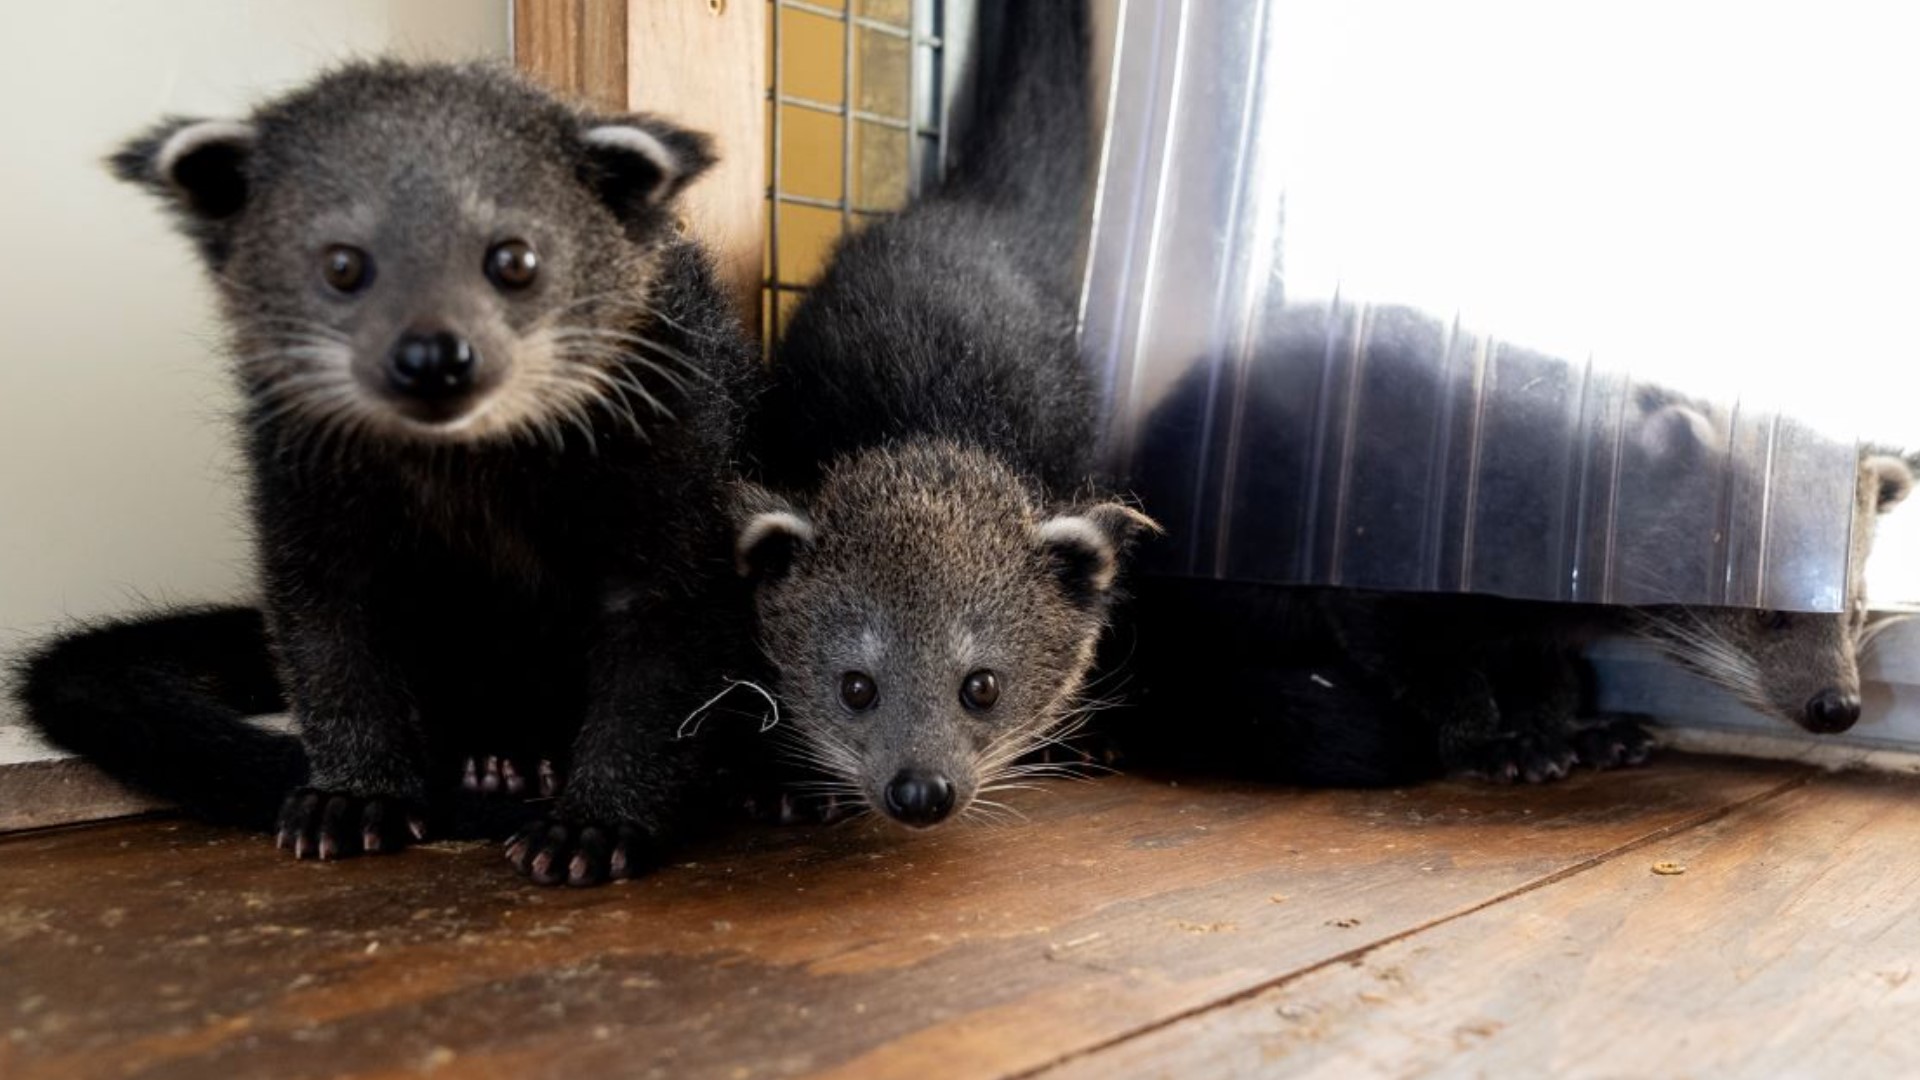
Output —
(1717, 194)
(116, 480)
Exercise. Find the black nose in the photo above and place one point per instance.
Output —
(1831, 711)
(431, 366)
(919, 798)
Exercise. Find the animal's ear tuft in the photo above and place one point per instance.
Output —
(1891, 480)
(201, 166)
(638, 162)
(1676, 433)
(1085, 547)
(769, 533)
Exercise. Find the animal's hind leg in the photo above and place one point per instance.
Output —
(1473, 736)
(528, 777)
(1612, 742)
(505, 738)
(1556, 687)
(1494, 718)
(1538, 690)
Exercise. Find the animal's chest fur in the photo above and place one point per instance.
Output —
(488, 528)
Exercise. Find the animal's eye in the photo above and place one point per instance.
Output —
(857, 691)
(1774, 620)
(512, 264)
(347, 269)
(979, 690)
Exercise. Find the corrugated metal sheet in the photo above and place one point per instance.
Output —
(1355, 441)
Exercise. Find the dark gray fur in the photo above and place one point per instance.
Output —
(541, 568)
(931, 430)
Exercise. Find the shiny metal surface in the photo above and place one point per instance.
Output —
(1352, 439)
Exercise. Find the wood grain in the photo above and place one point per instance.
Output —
(704, 64)
(178, 950)
(701, 63)
(1790, 946)
(63, 791)
(578, 47)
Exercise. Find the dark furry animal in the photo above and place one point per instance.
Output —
(933, 566)
(1341, 686)
(491, 407)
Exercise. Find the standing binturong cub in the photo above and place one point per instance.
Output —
(932, 563)
(491, 404)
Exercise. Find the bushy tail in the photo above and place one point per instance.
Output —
(159, 703)
(1023, 121)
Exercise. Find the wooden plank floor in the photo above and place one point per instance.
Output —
(1131, 927)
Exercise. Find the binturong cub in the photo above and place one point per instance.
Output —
(932, 564)
(491, 405)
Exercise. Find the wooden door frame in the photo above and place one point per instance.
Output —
(702, 63)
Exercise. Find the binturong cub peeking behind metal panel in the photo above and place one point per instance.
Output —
(933, 566)
(1344, 686)
(490, 411)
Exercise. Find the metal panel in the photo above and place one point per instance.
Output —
(1357, 441)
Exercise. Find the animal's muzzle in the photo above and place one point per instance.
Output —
(432, 367)
(919, 798)
(1832, 711)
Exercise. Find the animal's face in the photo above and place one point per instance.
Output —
(1801, 667)
(427, 252)
(930, 625)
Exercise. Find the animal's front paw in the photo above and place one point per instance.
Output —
(498, 775)
(1531, 759)
(1612, 743)
(333, 825)
(553, 851)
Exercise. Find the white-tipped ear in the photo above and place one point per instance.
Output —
(768, 542)
(1086, 546)
(643, 145)
(200, 166)
(233, 137)
(1676, 431)
(1891, 480)
(640, 161)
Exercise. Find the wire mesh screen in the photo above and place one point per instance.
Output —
(856, 122)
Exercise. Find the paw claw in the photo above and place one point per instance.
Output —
(552, 851)
(1613, 743)
(1515, 759)
(493, 774)
(325, 825)
(577, 871)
